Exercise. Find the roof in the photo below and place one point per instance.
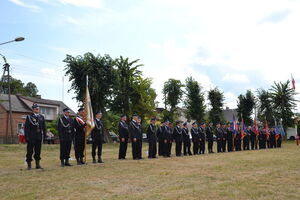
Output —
(18, 104)
(228, 114)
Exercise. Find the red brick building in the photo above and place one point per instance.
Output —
(21, 107)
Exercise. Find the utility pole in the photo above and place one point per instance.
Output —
(10, 124)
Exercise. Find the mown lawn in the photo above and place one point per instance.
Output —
(261, 174)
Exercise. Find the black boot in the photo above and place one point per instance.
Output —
(94, 160)
(78, 161)
(67, 163)
(100, 160)
(62, 163)
(38, 166)
(28, 165)
(81, 161)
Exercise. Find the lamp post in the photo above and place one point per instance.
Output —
(18, 39)
(6, 69)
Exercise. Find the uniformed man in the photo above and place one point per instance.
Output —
(262, 137)
(160, 136)
(279, 141)
(237, 139)
(210, 137)
(195, 138)
(123, 137)
(35, 130)
(224, 127)
(186, 140)
(169, 138)
(65, 127)
(229, 138)
(246, 145)
(178, 137)
(79, 145)
(272, 138)
(220, 137)
(253, 139)
(202, 138)
(97, 137)
(136, 137)
(152, 139)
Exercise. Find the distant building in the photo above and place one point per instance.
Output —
(21, 107)
(229, 113)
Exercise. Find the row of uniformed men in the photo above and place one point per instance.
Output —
(74, 130)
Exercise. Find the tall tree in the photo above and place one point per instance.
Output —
(216, 99)
(17, 87)
(194, 100)
(246, 104)
(101, 74)
(172, 92)
(127, 76)
(265, 107)
(283, 99)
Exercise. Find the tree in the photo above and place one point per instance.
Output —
(194, 100)
(172, 92)
(17, 87)
(30, 90)
(284, 102)
(245, 106)
(265, 107)
(101, 78)
(127, 76)
(216, 99)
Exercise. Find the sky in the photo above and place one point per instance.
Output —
(233, 45)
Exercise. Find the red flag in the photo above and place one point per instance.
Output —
(293, 82)
(243, 134)
(255, 128)
(267, 130)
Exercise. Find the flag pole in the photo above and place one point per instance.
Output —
(85, 132)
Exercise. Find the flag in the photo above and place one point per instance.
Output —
(267, 130)
(293, 82)
(255, 127)
(277, 132)
(88, 111)
(281, 130)
(243, 134)
(234, 128)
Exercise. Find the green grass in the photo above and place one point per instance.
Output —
(262, 174)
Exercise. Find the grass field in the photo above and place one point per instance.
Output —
(261, 174)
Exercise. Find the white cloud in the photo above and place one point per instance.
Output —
(25, 5)
(233, 77)
(72, 20)
(230, 100)
(84, 3)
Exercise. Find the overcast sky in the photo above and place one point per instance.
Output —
(234, 45)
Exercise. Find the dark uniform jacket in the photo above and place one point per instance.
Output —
(219, 134)
(229, 134)
(195, 134)
(79, 130)
(135, 130)
(35, 127)
(177, 133)
(167, 134)
(202, 134)
(151, 133)
(65, 128)
(123, 130)
(98, 131)
(185, 134)
(209, 134)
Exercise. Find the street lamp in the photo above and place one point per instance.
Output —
(18, 39)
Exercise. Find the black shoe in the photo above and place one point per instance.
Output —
(67, 163)
(100, 160)
(62, 163)
(78, 162)
(81, 161)
(28, 165)
(94, 160)
(38, 166)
